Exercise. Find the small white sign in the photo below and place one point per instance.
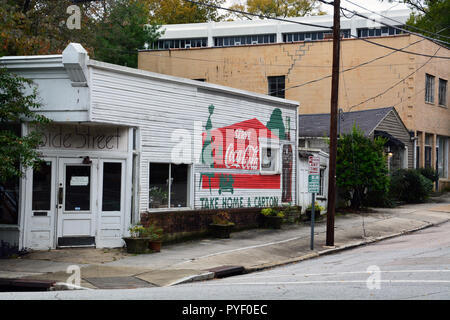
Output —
(79, 181)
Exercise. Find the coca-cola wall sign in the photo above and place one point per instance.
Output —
(236, 147)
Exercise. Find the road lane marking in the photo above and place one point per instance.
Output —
(324, 282)
(345, 272)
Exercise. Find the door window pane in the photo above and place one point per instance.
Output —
(112, 182)
(78, 188)
(178, 192)
(42, 183)
(159, 185)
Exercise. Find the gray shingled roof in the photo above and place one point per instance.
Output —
(318, 125)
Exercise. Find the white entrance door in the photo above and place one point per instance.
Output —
(111, 203)
(77, 201)
(40, 225)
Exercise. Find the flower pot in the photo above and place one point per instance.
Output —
(309, 213)
(137, 245)
(155, 245)
(273, 222)
(221, 230)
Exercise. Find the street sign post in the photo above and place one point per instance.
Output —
(313, 188)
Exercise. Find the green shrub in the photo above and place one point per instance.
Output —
(410, 186)
(360, 167)
(429, 173)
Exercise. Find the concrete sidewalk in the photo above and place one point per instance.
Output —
(247, 251)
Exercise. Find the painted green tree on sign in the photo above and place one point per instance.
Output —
(276, 124)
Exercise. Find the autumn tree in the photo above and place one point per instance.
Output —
(278, 8)
(180, 11)
(124, 29)
(30, 27)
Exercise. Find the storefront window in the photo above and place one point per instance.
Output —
(168, 187)
(9, 201)
(9, 189)
(42, 184)
(159, 185)
(178, 192)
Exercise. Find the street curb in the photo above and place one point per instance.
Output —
(210, 275)
(338, 249)
(197, 277)
(62, 286)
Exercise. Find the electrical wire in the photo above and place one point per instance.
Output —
(409, 26)
(351, 68)
(394, 85)
(326, 2)
(385, 24)
(258, 15)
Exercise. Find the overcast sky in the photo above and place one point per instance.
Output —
(374, 5)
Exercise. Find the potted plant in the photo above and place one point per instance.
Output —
(154, 234)
(136, 242)
(158, 197)
(317, 209)
(222, 225)
(272, 218)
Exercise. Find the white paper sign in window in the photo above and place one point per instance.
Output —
(79, 181)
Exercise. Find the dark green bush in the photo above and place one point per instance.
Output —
(410, 186)
(429, 173)
(360, 167)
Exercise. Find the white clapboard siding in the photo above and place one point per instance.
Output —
(158, 105)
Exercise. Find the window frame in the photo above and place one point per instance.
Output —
(442, 98)
(275, 146)
(321, 193)
(277, 93)
(189, 177)
(429, 88)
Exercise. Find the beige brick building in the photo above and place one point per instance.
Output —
(417, 86)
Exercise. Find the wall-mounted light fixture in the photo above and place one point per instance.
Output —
(86, 160)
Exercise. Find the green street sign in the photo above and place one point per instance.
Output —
(313, 183)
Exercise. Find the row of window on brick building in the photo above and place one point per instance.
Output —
(269, 38)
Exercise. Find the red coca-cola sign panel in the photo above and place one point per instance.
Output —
(237, 146)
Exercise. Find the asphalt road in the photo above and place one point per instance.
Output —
(413, 266)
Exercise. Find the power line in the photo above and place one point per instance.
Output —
(409, 26)
(388, 25)
(394, 85)
(351, 68)
(258, 15)
(291, 21)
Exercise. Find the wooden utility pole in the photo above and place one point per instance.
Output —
(333, 125)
